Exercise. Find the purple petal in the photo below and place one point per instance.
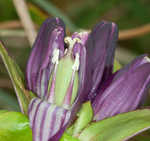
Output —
(83, 36)
(39, 67)
(47, 121)
(140, 60)
(125, 90)
(100, 47)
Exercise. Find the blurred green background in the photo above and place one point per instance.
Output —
(77, 14)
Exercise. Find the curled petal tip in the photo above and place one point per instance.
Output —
(125, 91)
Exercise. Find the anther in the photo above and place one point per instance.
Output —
(55, 57)
(71, 42)
(147, 59)
(76, 64)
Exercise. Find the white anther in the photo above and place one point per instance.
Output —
(147, 59)
(66, 50)
(76, 64)
(55, 57)
(77, 40)
(71, 42)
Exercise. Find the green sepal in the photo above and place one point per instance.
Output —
(14, 126)
(17, 79)
(85, 116)
(32, 95)
(117, 128)
(117, 65)
(67, 137)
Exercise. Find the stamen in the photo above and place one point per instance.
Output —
(77, 40)
(147, 59)
(55, 58)
(76, 64)
(66, 50)
(71, 42)
(51, 93)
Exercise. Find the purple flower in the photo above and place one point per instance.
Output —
(71, 73)
(64, 72)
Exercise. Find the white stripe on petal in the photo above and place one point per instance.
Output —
(58, 121)
(67, 117)
(38, 120)
(47, 123)
(33, 110)
(43, 84)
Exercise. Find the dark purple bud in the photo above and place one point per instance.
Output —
(47, 121)
(100, 48)
(39, 67)
(124, 90)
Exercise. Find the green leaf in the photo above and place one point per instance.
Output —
(14, 126)
(117, 128)
(67, 137)
(17, 79)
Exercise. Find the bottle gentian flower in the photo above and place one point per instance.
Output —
(66, 73)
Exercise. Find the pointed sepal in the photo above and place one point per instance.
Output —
(84, 117)
(67, 137)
